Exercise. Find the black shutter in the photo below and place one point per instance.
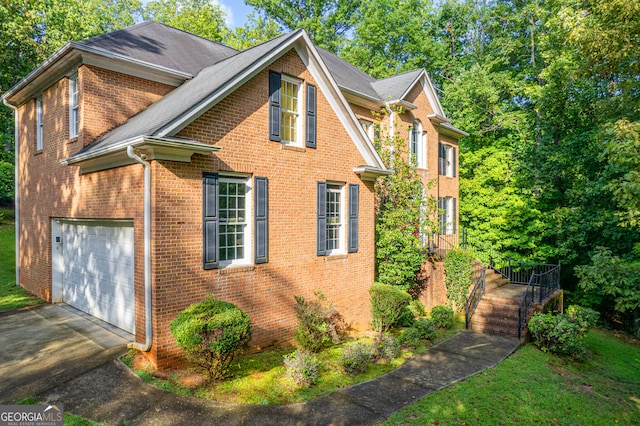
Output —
(321, 244)
(311, 116)
(354, 192)
(454, 214)
(210, 221)
(441, 159)
(453, 159)
(275, 90)
(261, 197)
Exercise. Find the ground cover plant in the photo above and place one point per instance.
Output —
(534, 387)
(11, 295)
(261, 378)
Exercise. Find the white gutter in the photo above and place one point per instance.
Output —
(147, 252)
(15, 183)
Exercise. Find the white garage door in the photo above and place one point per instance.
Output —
(98, 271)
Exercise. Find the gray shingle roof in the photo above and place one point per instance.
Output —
(162, 45)
(347, 76)
(395, 87)
(204, 87)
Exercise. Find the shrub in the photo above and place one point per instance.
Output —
(302, 367)
(389, 306)
(356, 357)
(211, 333)
(426, 328)
(318, 323)
(417, 308)
(563, 333)
(442, 316)
(410, 337)
(385, 347)
(458, 276)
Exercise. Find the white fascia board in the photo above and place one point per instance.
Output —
(173, 149)
(450, 130)
(222, 92)
(430, 91)
(403, 103)
(334, 96)
(371, 173)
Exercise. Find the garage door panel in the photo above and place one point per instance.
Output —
(98, 272)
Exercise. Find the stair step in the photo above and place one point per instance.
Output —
(489, 311)
(494, 329)
(497, 300)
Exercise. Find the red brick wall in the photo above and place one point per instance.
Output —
(239, 125)
(49, 189)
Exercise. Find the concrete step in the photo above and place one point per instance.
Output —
(494, 329)
(500, 311)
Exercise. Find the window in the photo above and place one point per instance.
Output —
(447, 215)
(290, 111)
(447, 160)
(417, 145)
(332, 216)
(285, 111)
(367, 126)
(227, 224)
(74, 118)
(39, 133)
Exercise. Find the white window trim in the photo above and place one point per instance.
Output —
(420, 160)
(367, 126)
(39, 129)
(343, 218)
(448, 216)
(74, 108)
(298, 113)
(248, 246)
(448, 158)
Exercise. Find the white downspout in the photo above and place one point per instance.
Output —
(147, 251)
(15, 183)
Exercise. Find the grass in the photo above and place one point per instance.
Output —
(69, 419)
(11, 295)
(260, 378)
(533, 387)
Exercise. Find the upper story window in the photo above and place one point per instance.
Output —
(285, 111)
(447, 160)
(368, 128)
(74, 116)
(39, 129)
(290, 110)
(417, 145)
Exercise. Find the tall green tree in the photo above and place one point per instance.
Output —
(200, 17)
(256, 30)
(328, 22)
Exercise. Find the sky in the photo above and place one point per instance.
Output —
(236, 11)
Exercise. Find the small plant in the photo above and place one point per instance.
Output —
(385, 347)
(426, 328)
(211, 333)
(442, 316)
(563, 333)
(410, 337)
(319, 323)
(417, 308)
(302, 367)
(389, 306)
(356, 357)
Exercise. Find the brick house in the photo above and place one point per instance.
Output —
(155, 167)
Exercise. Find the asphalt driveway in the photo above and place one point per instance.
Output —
(45, 346)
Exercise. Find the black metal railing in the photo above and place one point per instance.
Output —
(540, 285)
(474, 297)
(439, 246)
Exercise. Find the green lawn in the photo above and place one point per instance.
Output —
(11, 296)
(532, 387)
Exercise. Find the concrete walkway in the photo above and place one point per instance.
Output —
(48, 345)
(111, 394)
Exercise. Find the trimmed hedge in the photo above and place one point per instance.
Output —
(389, 306)
(211, 333)
(442, 316)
